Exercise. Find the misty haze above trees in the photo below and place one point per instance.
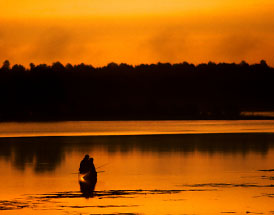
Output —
(155, 91)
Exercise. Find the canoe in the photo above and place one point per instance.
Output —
(87, 182)
(88, 177)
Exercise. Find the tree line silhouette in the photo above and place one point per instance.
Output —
(125, 92)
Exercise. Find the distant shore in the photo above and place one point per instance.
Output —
(144, 92)
(244, 116)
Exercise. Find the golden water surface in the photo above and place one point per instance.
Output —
(198, 173)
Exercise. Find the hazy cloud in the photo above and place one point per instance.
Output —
(238, 45)
(168, 44)
(134, 41)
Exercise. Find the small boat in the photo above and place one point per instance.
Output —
(88, 177)
(87, 183)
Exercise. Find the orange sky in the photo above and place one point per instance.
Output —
(136, 31)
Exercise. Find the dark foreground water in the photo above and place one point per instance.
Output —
(160, 174)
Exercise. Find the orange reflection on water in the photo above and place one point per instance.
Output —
(189, 174)
(103, 128)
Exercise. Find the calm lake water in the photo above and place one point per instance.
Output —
(201, 167)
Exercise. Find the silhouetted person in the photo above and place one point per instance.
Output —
(88, 176)
(84, 165)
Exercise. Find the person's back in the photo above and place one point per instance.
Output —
(91, 166)
(84, 165)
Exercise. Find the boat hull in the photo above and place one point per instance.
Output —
(87, 183)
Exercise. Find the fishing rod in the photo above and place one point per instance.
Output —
(96, 168)
(97, 172)
(102, 165)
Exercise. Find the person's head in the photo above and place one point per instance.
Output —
(86, 157)
(91, 160)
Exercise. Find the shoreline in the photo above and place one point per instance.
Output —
(140, 119)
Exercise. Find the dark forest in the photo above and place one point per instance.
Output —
(143, 92)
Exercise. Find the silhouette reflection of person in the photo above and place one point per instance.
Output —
(87, 176)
